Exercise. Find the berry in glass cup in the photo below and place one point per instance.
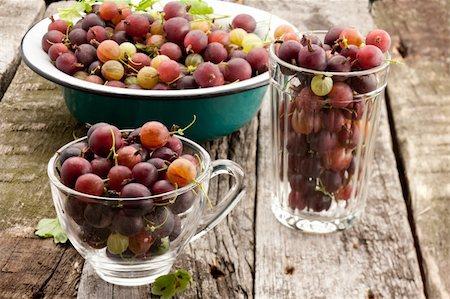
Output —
(330, 89)
(129, 167)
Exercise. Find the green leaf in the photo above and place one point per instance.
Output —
(48, 228)
(144, 4)
(183, 278)
(87, 7)
(165, 286)
(70, 14)
(171, 284)
(126, 2)
(150, 50)
(198, 7)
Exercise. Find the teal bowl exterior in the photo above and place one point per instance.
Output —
(126, 112)
(220, 110)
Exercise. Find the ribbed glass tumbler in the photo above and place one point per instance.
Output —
(322, 145)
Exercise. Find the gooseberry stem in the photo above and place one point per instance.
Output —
(155, 227)
(181, 131)
(128, 65)
(112, 150)
(393, 61)
(204, 192)
(199, 163)
(266, 37)
(321, 188)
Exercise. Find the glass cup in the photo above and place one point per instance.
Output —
(145, 234)
(322, 146)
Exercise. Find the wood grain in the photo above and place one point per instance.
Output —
(33, 110)
(376, 256)
(226, 253)
(374, 259)
(34, 268)
(32, 122)
(420, 103)
(248, 255)
(16, 16)
(221, 262)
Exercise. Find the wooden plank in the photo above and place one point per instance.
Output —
(420, 103)
(32, 122)
(33, 110)
(374, 259)
(221, 262)
(64, 280)
(226, 253)
(16, 16)
(34, 268)
(376, 256)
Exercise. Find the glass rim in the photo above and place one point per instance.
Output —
(275, 58)
(54, 180)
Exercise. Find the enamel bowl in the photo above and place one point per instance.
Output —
(219, 110)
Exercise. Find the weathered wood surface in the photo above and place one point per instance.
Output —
(222, 261)
(34, 268)
(420, 102)
(374, 259)
(30, 267)
(35, 122)
(249, 255)
(16, 16)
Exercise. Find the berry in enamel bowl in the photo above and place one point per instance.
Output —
(161, 71)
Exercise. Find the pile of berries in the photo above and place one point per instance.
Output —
(342, 49)
(169, 49)
(327, 111)
(144, 162)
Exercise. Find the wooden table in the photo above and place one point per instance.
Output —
(399, 249)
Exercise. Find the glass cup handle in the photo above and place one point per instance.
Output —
(228, 202)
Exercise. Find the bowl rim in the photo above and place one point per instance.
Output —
(52, 168)
(67, 81)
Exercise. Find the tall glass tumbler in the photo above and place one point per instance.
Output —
(322, 144)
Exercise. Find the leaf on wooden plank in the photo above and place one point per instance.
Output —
(171, 284)
(51, 228)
